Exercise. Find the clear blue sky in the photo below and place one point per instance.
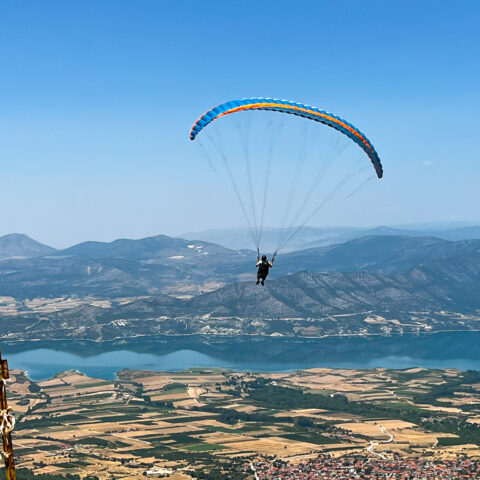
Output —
(97, 98)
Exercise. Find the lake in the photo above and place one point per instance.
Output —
(460, 350)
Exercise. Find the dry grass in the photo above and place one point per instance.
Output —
(304, 412)
(195, 392)
(364, 428)
(168, 397)
(190, 402)
(272, 446)
(395, 424)
(415, 438)
(434, 408)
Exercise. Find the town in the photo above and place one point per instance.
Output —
(346, 468)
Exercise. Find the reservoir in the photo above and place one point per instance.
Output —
(459, 350)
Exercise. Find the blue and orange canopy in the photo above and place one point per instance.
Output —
(293, 108)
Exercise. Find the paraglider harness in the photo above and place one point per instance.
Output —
(263, 267)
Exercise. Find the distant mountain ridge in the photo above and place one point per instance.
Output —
(122, 268)
(313, 237)
(384, 254)
(18, 245)
(145, 248)
(186, 268)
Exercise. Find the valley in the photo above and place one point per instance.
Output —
(189, 423)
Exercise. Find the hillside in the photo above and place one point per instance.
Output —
(385, 254)
(17, 245)
(160, 246)
(433, 296)
(123, 268)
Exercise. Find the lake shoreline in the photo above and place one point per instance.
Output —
(221, 337)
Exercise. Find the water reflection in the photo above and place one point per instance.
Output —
(459, 350)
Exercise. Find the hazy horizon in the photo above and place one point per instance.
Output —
(423, 226)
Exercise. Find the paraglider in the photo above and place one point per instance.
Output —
(295, 216)
(263, 268)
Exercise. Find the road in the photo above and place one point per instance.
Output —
(373, 444)
(252, 466)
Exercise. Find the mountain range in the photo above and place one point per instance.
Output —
(185, 268)
(305, 304)
(162, 285)
(17, 245)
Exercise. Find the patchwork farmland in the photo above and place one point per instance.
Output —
(189, 424)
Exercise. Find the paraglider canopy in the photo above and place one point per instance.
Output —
(300, 209)
(285, 106)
